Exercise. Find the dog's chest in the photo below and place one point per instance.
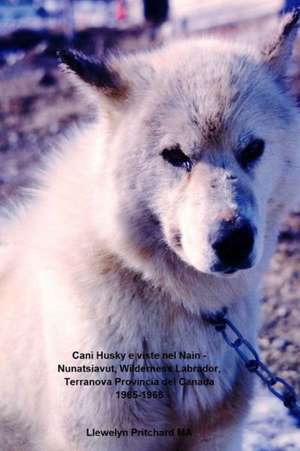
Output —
(203, 370)
(173, 359)
(180, 364)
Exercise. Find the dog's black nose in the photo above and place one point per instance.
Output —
(233, 244)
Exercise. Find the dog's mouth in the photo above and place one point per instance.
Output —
(235, 255)
(222, 270)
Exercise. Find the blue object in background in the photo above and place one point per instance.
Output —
(289, 5)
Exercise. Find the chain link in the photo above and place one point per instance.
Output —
(278, 386)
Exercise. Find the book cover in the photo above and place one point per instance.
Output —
(149, 236)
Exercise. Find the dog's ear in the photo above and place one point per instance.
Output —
(277, 54)
(99, 74)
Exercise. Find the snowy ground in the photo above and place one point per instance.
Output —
(269, 427)
(210, 13)
(198, 15)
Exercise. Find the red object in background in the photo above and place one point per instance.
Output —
(121, 11)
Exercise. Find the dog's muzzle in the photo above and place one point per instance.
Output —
(233, 244)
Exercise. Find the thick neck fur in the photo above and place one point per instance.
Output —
(99, 243)
(90, 224)
(86, 249)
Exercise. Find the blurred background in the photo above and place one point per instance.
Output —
(37, 104)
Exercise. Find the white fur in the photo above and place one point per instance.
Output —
(84, 268)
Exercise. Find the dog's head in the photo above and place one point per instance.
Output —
(202, 136)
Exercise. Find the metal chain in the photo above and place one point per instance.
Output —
(277, 385)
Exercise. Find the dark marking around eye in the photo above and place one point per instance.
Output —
(176, 157)
(177, 239)
(251, 153)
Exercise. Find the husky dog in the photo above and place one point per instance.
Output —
(167, 207)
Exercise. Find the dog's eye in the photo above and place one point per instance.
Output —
(252, 152)
(176, 157)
